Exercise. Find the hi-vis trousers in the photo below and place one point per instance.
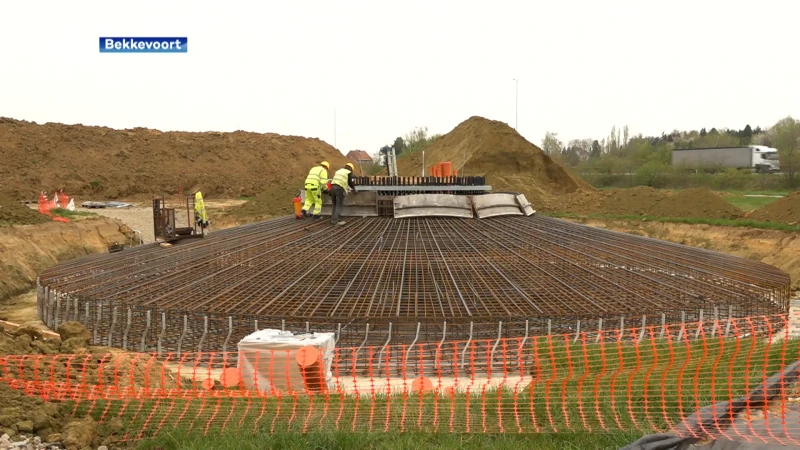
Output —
(313, 197)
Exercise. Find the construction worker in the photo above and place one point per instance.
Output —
(316, 184)
(340, 185)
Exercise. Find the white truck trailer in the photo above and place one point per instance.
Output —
(757, 158)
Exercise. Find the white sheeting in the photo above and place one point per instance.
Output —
(267, 358)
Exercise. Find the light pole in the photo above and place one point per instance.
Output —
(516, 103)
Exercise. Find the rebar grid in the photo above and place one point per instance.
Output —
(505, 275)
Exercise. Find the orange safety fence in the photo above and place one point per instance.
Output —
(59, 200)
(647, 379)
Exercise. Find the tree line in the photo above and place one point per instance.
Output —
(623, 159)
(412, 142)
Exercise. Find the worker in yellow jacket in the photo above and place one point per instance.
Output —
(316, 184)
(341, 184)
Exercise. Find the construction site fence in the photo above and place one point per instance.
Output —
(647, 378)
(162, 331)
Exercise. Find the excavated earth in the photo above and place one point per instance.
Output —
(105, 163)
(15, 213)
(785, 210)
(698, 203)
(483, 147)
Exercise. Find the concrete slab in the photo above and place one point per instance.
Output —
(432, 205)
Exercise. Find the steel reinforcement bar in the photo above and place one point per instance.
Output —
(406, 279)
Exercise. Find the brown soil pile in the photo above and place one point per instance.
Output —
(633, 201)
(104, 163)
(15, 213)
(699, 203)
(25, 416)
(480, 146)
(645, 201)
(785, 210)
(118, 374)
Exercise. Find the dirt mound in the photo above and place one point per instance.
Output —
(785, 210)
(23, 415)
(633, 201)
(86, 369)
(699, 203)
(15, 213)
(110, 164)
(480, 146)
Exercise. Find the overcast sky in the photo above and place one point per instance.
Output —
(387, 67)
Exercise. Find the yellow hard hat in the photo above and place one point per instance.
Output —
(326, 164)
(351, 166)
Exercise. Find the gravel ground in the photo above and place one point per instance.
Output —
(137, 218)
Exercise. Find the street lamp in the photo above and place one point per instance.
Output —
(516, 103)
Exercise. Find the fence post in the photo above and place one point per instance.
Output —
(577, 331)
(663, 325)
(86, 315)
(700, 326)
(683, 325)
(75, 308)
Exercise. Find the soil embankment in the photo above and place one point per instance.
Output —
(785, 210)
(27, 250)
(15, 213)
(777, 248)
(699, 203)
(114, 164)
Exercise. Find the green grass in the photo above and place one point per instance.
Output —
(584, 396)
(71, 214)
(180, 440)
(749, 204)
(744, 223)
